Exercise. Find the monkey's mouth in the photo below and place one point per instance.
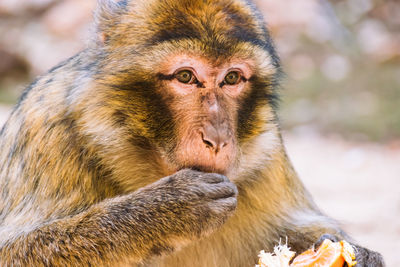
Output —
(210, 169)
(206, 162)
(193, 153)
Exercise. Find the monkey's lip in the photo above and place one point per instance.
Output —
(203, 168)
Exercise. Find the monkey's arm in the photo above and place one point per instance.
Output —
(156, 219)
(303, 224)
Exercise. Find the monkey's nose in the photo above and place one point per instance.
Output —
(214, 138)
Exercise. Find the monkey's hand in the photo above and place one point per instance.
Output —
(188, 203)
(364, 257)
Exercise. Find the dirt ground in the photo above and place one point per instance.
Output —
(355, 183)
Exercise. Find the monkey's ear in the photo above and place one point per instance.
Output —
(107, 14)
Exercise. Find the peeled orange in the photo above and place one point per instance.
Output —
(329, 254)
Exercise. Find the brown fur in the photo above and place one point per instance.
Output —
(84, 151)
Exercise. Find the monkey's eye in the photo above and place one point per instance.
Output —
(184, 76)
(232, 78)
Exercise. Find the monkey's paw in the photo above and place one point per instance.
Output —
(194, 203)
(364, 256)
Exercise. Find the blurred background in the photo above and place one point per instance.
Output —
(340, 109)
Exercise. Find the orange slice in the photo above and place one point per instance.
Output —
(329, 254)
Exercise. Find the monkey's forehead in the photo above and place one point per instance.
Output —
(210, 21)
(218, 24)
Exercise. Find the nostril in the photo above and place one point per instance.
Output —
(208, 142)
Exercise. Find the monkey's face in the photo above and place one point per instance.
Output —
(193, 81)
(203, 96)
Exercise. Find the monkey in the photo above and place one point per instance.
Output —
(157, 145)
